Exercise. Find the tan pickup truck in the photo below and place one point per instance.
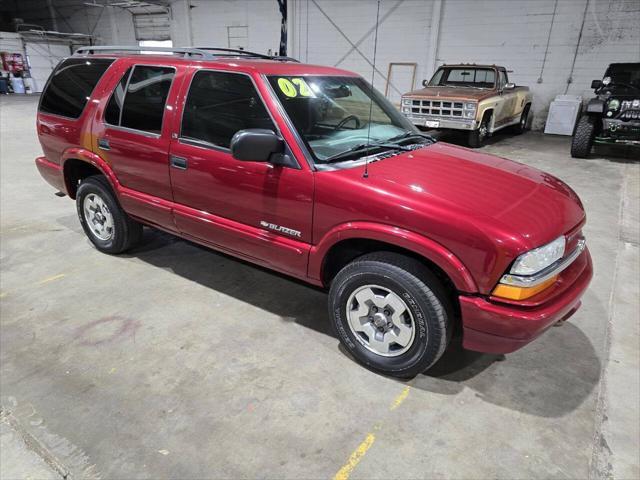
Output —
(475, 98)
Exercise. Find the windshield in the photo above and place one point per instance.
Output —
(464, 77)
(623, 74)
(331, 114)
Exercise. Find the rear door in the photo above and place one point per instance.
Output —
(133, 136)
(252, 209)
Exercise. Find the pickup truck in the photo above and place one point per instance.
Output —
(478, 99)
(309, 171)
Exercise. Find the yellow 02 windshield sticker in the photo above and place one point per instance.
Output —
(295, 87)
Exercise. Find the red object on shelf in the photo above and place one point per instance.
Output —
(12, 62)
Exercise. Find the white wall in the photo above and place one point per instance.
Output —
(513, 33)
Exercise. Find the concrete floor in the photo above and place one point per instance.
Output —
(177, 362)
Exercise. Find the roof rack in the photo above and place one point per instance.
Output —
(206, 53)
(231, 52)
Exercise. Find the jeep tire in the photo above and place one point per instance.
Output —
(383, 297)
(583, 136)
(108, 227)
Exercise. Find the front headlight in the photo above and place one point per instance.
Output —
(470, 106)
(469, 114)
(406, 101)
(614, 104)
(406, 110)
(539, 258)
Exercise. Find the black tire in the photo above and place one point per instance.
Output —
(583, 136)
(522, 124)
(479, 135)
(422, 294)
(125, 232)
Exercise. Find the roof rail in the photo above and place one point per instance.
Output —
(88, 50)
(236, 52)
(206, 53)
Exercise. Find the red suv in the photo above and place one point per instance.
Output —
(309, 171)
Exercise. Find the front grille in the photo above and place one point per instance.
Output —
(629, 115)
(442, 108)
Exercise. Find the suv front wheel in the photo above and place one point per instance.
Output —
(391, 313)
(108, 227)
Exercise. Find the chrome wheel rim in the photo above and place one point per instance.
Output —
(98, 217)
(523, 121)
(380, 320)
(482, 131)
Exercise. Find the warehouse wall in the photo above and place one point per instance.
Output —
(537, 39)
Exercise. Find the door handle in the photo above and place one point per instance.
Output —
(178, 162)
(103, 144)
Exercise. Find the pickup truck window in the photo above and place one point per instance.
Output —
(331, 113)
(219, 104)
(71, 85)
(464, 77)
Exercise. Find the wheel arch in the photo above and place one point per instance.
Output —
(347, 242)
(80, 163)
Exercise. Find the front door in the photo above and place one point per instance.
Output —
(134, 136)
(254, 210)
(507, 101)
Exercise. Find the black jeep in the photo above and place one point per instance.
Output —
(613, 116)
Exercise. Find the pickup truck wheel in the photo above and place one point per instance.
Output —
(583, 136)
(521, 127)
(108, 227)
(478, 136)
(391, 313)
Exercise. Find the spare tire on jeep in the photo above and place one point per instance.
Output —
(583, 137)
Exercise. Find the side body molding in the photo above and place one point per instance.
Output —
(406, 239)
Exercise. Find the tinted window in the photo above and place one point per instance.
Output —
(114, 107)
(71, 85)
(219, 104)
(145, 98)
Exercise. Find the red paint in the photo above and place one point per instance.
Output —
(469, 213)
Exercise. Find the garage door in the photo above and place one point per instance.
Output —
(43, 57)
(152, 26)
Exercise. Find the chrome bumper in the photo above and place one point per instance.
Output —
(443, 122)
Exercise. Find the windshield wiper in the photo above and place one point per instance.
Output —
(365, 147)
(410, 134)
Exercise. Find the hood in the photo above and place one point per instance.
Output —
(461, 93)
(507, 201)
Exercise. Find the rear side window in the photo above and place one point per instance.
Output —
(71, 85)
(219, 104)
(114, 107)
(139, 99)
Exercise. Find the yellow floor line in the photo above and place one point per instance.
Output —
(51, 279)
(355, 457)
(400, 398)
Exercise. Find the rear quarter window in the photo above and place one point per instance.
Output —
(71, 85)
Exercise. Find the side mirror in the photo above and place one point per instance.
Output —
(595, 84)
(425, 83)
(256, 145)
(509, 86)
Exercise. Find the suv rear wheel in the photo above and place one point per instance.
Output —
(583, 136)
(108, 227)
(391, 313)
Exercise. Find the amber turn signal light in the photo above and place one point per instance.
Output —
(512, 292)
